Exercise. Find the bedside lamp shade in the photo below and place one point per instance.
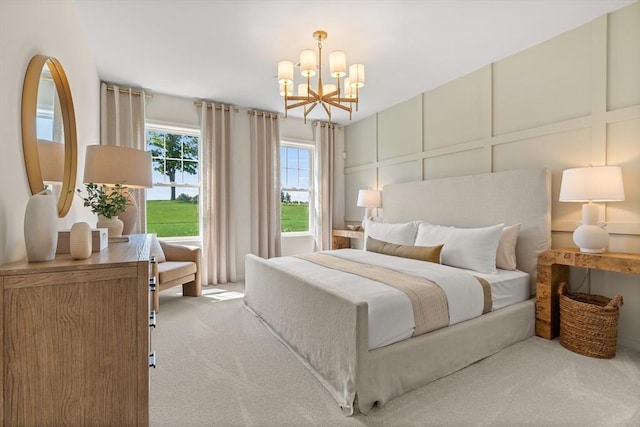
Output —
(369, 199)
(591, 184)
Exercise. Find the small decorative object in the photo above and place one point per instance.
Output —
(99, 240)
(80, 240)
(107, 203)
(354, 227)
(40, 227)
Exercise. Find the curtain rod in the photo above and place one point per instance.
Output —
(217, 107)
(325, 124)
(263, 114)
(131, 91)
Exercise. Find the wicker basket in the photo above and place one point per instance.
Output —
(589, 323)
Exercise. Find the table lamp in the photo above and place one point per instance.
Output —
(110, 164)
(369, 199)
(591, 184)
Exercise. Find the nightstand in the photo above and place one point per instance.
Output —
(341, 239)
(553, 269)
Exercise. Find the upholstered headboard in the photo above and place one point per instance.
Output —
(511, 197)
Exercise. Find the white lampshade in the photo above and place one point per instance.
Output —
(369, 199)
(110, 165)
(51, 156)
(337, 64)
(356, 75)
(594, 183)
(308, 63)
(285, 72)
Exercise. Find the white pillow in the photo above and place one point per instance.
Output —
(470, 248)
(506, 253)
(400, 234)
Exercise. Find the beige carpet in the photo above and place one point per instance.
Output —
(218, 366)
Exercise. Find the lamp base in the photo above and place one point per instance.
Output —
(129, 216)
(591, 238)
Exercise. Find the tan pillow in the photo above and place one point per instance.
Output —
(156, 250)
(422, 253)
(506, 252)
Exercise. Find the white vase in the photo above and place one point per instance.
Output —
(80, 240)
(41, 227)
(114, 225)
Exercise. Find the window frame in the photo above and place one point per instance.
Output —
(187, 131)
(312, 180)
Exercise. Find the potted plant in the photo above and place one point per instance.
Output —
(107, 203)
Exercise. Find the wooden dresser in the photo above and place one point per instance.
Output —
(76, 339)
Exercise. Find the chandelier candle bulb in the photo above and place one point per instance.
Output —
(285, 72)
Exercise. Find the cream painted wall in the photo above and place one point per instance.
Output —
(571, 101)
(49, 28)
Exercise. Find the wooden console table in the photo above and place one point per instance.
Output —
(553, 269)
(340, 238)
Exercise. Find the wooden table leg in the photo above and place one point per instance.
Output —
(548, 300)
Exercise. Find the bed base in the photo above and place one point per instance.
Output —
(328, 331)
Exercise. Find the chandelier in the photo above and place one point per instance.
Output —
(343, 94)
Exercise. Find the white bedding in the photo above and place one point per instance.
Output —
(390, 312)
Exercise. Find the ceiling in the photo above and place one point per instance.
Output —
(227, 51)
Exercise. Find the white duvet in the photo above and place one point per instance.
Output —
(390, 311)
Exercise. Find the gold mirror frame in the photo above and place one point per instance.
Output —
(29, 133)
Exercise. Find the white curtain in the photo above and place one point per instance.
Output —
(265, 184)
(122, 122)
(218, 223)
(324, 136)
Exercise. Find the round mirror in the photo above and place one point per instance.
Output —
(49, 137)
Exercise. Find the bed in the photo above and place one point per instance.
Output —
(328, 329)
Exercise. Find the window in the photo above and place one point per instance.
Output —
(172, 203)
(48, 120)
(296, 176)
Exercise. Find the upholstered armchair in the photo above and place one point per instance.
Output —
(175, 265)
